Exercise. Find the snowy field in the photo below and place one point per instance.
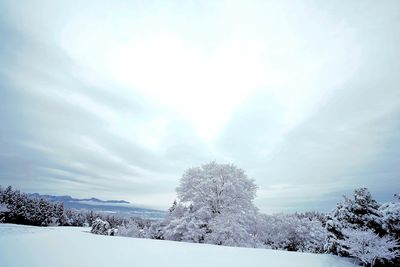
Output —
(23, 246)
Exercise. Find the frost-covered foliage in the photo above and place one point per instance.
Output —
(135, 227)
(100, 227)
(209, 198)
(155, 230)
(215, 206)
(359, 212)
(20, 208)
(230, 230)
(391, 217)
(3, 210)
(189, 228)
(369, 247)
(294, 233)
(217, 188)
(131, 229)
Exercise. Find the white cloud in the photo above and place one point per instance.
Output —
(121, 97)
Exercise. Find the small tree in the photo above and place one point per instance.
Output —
(368, 247)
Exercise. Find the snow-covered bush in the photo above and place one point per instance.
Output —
(155, 230)
(100, 227)
(369, 247)
(290, 232)
(130, 229)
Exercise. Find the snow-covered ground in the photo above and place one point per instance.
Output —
(22, 246)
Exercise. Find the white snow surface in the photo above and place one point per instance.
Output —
(22, 246)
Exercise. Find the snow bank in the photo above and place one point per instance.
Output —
(22, 246)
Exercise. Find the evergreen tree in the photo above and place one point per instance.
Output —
(359, 212)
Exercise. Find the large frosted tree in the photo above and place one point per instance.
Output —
(209, 196)
(218, 188)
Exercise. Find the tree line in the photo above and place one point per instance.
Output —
(20, 208)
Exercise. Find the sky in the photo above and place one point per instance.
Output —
(116, 99)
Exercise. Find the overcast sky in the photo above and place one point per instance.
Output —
(115, 99)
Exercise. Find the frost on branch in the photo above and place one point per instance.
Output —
(369, 247)
(293, 233)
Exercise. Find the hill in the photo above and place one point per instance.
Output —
(22, 246)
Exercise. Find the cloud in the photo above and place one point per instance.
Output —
(117, 100)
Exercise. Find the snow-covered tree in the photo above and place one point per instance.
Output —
(60, 214)
(369, 247)
(391, 217)
(100, 227)
(75, 217)
(312, 235)
(208, 196)
(155, 230)
(361, 211)
(218, 188)
(131, 229)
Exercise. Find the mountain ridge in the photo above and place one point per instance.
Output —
(120, 207)
(63, 198)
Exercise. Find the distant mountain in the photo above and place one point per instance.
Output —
(120, 207)
(70, 199)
